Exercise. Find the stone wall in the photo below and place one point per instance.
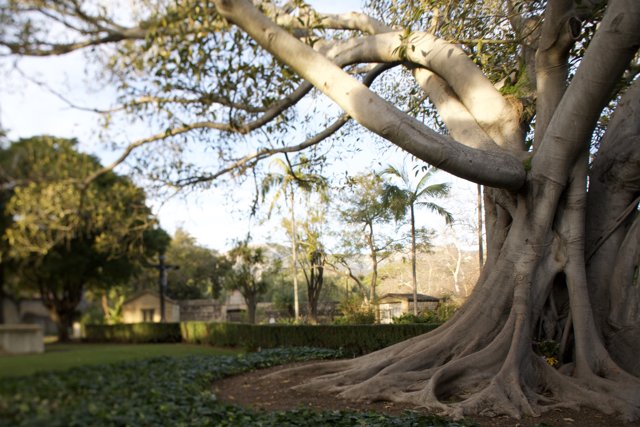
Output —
(21, 339)
(202, 310)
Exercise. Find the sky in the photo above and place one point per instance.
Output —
(211, 216)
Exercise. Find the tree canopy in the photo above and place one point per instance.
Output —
(196, 276)
(406, 197)
(251, 273)
(61, 236)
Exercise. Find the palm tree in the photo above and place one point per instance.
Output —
(284, 183)
(407, 197)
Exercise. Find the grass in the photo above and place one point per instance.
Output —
(64, 356)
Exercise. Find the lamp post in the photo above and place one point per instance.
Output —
(162, 283)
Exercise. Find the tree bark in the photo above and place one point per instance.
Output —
(315, 281)
(480, 229)
(251, 308)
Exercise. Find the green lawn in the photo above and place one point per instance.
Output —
(65, 356)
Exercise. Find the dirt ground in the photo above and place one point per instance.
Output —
(259, 391)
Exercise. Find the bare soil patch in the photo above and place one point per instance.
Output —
(260, 391)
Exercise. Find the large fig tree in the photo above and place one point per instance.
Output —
(541, 105)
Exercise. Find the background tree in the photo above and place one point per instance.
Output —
(111, 300)
(196, 276)
(561, 262)
(250, 274)
(314, 260)
(366, 207)
(66, 237)
(200, 273)
(284, 183)
(406, 198)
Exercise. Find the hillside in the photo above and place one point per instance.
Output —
(436, 272)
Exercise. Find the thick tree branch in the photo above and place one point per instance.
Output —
(489, 168)
(560, 30)
(252, 159)
(461, 124)
(505, 129)
(311, 19)
(490, 109)
(610, 52)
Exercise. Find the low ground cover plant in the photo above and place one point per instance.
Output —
(166, 391)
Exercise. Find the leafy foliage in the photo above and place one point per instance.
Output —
(166, 391)
(367, 208)
(354, 312)
(134, 333)
(198, 272)
(251, 273)
(65, 235)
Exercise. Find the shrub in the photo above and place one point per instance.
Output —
(446, 309)
(355, 312)
(351, 339)
(410, 318)
(134, 333)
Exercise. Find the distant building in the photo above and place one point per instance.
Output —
(145, 307)
(201, 310)
(235, 307)
(396, 304)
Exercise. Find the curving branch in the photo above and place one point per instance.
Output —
(91, 30)
(569, 132)
(499, 169)
(559, 31)
(500, 123)
(308, 18)
(250, 160)
(459, 121)
(495, 115)
(139, 143)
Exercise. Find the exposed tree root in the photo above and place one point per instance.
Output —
(480, 383)
(493, 374)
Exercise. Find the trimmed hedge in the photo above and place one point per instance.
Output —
(134, 333)
(352, 340)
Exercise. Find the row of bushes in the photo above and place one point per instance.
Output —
(351, 339)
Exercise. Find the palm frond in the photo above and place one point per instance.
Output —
(448, 217)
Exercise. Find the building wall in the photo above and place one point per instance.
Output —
(201, 310)
(132, 310)
(28, 311)
(395, 307)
